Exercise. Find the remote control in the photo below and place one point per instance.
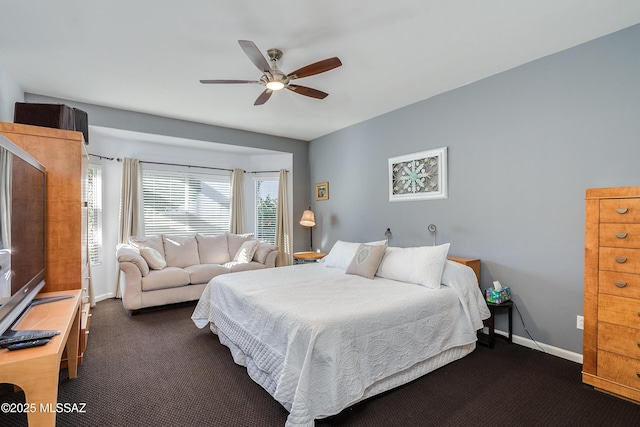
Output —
(6, 341)
(28, 344)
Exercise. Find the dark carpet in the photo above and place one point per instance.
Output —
(158, 369)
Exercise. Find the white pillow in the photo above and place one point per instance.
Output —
(246, 251)
(420, 265)
(153, 258)
(342, 253)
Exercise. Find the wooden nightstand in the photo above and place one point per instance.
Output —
(491, 323)
(309, 256)
(474, 263)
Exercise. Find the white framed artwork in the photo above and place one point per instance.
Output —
(418, 176)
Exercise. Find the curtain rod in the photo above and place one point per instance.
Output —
(118, 159)
(177, 164)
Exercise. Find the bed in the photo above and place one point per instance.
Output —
(319, 339)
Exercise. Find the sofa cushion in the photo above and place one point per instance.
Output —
(202, 273)
(181, 251)
(264, 249)
(154, 242)
(213, 249)
(234, 267)
(153, 258)
(170, 277)
(235, 241)
(246, 251)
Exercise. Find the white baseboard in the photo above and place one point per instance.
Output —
(103, 297)
(546, 348)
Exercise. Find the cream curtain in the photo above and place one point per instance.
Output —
(237, 201)
(131, 206)
(283, 221)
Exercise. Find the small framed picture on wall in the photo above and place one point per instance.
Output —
(322, 191)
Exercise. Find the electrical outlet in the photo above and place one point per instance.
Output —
(580, 322)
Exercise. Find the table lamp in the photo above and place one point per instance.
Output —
(309, 220)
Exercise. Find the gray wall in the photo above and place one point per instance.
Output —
(10, 93)
(523, 147)
(146, 123)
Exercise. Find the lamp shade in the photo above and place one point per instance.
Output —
(308, 219)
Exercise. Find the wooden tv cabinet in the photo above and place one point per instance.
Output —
(63, 154)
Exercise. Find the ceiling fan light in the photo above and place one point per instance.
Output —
(275, 85)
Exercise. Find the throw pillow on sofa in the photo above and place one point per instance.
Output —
(235, 241)
(246, 251)
(153, 258)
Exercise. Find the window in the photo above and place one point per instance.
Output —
(266, 197)
(94, 213)
(185, 203)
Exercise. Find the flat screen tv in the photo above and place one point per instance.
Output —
(22, 231)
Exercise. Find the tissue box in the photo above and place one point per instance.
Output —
(498, 297)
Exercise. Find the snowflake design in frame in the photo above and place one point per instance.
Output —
(418, 176)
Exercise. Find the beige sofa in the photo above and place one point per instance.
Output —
(166, 269)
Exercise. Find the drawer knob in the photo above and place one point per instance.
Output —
(622, 210)
(621, 284)
(621, 259)
(621, 235)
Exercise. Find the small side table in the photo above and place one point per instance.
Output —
(491, 322)
(309, 256)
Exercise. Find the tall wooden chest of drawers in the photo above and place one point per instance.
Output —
(611, 354)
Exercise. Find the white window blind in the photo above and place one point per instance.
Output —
(94, 213)
(266, 199)
(185, 203)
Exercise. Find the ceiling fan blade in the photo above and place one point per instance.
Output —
(307, 91)
(227, 81)
(252, 51)
(264, 97)
(315, 68)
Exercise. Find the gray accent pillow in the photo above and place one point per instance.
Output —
(342, 253)
(181, 251)
(366, 260)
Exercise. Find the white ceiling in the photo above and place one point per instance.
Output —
(149, 55)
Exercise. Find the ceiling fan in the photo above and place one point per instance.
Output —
(274, 79)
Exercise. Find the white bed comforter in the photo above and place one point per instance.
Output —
(315, 338)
